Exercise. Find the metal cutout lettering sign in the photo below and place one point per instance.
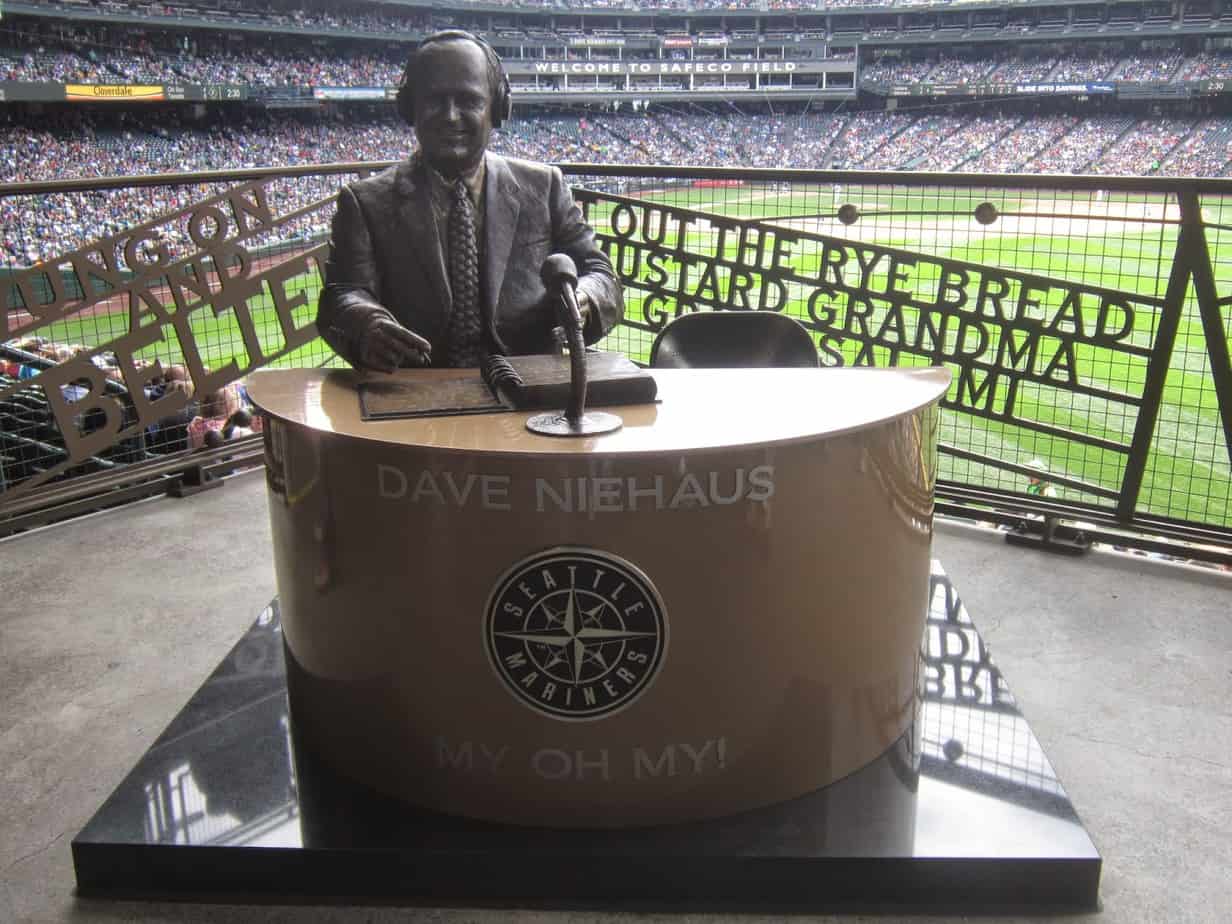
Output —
(208, 261)
(1015, 340)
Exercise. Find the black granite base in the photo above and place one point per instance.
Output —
(964, 813)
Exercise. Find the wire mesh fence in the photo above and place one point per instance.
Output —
(1085, 320)
(1082, 370)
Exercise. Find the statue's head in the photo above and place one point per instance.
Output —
(454, 91)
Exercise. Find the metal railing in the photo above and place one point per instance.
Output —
(1086, 320)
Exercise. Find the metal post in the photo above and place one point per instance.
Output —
(1212, 324)
(1161, 358)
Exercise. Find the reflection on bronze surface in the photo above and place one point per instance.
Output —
(904, 457)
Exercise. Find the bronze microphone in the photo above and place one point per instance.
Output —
(559, 275)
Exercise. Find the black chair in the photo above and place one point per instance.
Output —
(732, 339)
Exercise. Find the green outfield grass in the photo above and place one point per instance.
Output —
(218, 338)
(1187, 474)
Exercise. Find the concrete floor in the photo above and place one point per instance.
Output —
(1123, 666)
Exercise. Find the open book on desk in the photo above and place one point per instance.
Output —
(506, 383)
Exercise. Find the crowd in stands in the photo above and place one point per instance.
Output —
(1088, 140)
(1206, 151)
(1025, 70)
(51, 65)
(121, 144)
(1148, 68)
(978, 133)
(331, 18)
(961, 70)
(323, 19)
(1085, 66)
(1143, 148)
(224, 8)
(204, 61)
(1012, 151)
(250, 10)
(39, 228)
(82, 55)
(1207, 66)
(1079, 66)
(917, 136)
(893, 69)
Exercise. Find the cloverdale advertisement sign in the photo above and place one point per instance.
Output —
(74, 92)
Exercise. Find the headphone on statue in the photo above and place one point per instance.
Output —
(502, 96)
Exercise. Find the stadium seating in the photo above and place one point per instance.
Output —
(322, 45)
(51, 51)
(120, 143)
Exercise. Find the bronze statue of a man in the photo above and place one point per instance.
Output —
(437, 261)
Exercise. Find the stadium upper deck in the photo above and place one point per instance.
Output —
(582, 53)
(87, 56)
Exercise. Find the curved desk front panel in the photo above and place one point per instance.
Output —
(716, 608)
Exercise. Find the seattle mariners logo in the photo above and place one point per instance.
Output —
(574, 633)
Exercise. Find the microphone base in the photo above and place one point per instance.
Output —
(591, 423)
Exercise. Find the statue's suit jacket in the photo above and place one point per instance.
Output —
(386, 257)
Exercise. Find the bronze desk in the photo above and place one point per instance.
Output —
(715, 608)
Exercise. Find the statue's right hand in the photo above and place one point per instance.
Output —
(385, 345)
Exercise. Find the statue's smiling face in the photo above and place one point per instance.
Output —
(453, 106)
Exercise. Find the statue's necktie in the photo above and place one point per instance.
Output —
(465, 325)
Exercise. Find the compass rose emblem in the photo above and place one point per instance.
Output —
(575, 633)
